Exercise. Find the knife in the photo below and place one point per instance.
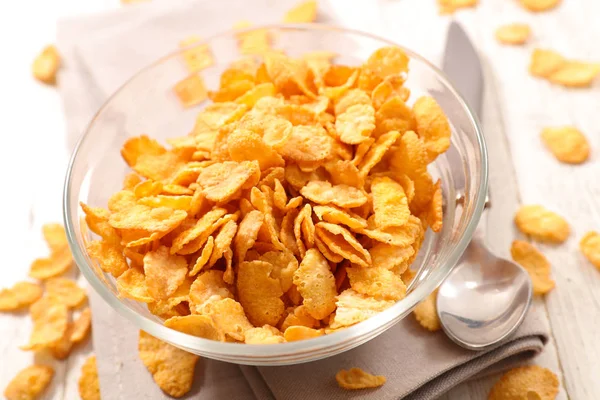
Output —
(461, 64)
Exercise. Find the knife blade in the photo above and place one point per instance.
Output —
(462, 65)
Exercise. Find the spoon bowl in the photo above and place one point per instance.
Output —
(484, 299)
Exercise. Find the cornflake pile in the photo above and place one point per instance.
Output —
(293, 208)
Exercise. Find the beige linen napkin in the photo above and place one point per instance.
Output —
(100, 53)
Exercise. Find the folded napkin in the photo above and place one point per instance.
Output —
(100, 53)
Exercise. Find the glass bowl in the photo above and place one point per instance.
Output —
(146, 104)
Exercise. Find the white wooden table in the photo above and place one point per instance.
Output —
(34, 156)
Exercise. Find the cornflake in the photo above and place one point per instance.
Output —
(519, 382)
(535, 264)
(46, 64)
(293, 208)
(29, 383)
(356, 378)
(89, 386)
(590, 247)
(22, 294)
(542, 224)
(539, 5)
(172, 368)
(513, 33)
(567, 144)
(426, 313)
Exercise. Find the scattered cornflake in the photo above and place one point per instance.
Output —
(89, 386)
(46, 64)
(576, 74)
(66, 291)
(172, 368)
(191, 91)
(356, 378)
(517, 33)
(557, 69)
(50, 320)
(450, 6)
(520, 382)
(590, 247)
(567, 144)
(539, 5)
(81, 326)
(29, 383)
(57, 264)
(21, 295)
(306, 11)
(542, 224)
(198, 57)
(426, 313)
(535, 263)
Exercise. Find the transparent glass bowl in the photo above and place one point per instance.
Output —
(146, 104)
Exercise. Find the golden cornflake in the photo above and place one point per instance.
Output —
(539, 5)
(567, 144)
(323, 192)
(50, 320)
(576, 74)
(432, 126)
(519, 382)
(89, 387)
(110, 256)
(266, 334)
(260, 292)
(377, 282)
(198, 57)
(132, 284)
(65, 291)
(545, 62)
(513, 33)
(46, 64)
(590, 247)
(389, 203)
(450, 6)
(29, 383)
(294, 333)
(58, 263)
(221, 182)
(342, 242)
(195, 325)
(542, 224)
(535, 264)
(191, 91)
(229, 317)
(81, 326)
(172, 368)
(316, 284)
(354, 307)
(426, 313)
(164, 272)
(306, 11)
(356, 378)
(22, 294)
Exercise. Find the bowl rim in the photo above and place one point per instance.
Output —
(252, 354)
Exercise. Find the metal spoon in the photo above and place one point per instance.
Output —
(485, 298)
